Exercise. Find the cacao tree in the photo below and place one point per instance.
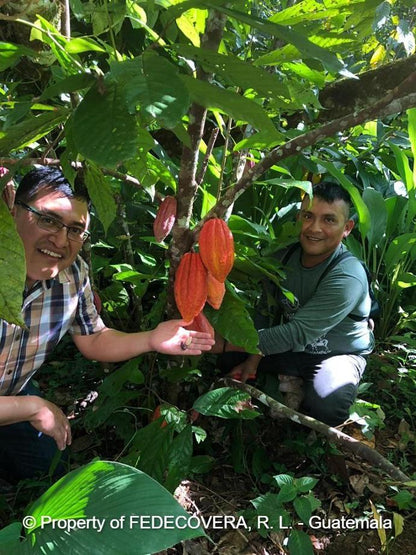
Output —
(199, 100)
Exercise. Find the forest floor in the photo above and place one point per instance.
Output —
(346, 485)
(344, 491)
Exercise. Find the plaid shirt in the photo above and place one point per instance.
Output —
(50, 309)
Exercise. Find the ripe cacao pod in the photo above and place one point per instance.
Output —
(216, 291)
(216, 246)
(201, 323)
(190, 287)
(165, 218)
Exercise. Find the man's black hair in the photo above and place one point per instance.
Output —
(48, 178)
(330, 192)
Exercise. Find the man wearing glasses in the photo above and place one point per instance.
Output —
(52, 222)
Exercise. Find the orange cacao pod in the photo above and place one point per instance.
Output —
(165, 218)
(190, 286)
(216, 291)
(201, 323)
(216, 246)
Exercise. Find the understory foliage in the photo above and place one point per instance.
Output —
(234, 109)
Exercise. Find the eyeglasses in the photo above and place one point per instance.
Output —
(49, 223)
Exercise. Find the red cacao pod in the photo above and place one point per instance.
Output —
(201, 323)
(216, 246)
(190, 287)
(216, 291)
(165, 218)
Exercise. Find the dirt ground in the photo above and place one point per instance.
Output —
(349, 481)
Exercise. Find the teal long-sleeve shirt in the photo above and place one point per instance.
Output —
(321, 325)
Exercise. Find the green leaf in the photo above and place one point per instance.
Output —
(287, 493)
(305, 484)
(236, 72)
(180, 458)
(305, 46)
(403, 166)
(164, 96)
(116, 496)
(269, 506)
(305, 186)
(104, 407)
(404, 500)
(152, 84)
(81, 44)
(303, 509)
(10, 539)
(299, 543)
(311, 10)
(225, 402)
(69, 84)
(10, 53)
(101, 195)
(406, 279)
(106, 140)
(233, 322)
(283, 479)
(398, 250)
(378, 211)
(13, 269)
(151, 449)
(237, 106)
(31, 129)
(129, 372)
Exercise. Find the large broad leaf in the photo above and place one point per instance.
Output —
(310, 10)
(399, 249)
(377, 207)
(68, 85)
(236, 72)
(180, 458)
(152, 84)
(226, 402)
(102, 127)
(231, 103)
(31, 129)
(108, 507)
(150, 449)
(101, 195)
(164, 96)
(302, 43)
(13, 269)
(233, 322)
(411, 116)
(300, 542)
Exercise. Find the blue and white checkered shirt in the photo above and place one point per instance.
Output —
(50, 309)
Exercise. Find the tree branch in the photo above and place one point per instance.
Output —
(182, 237)
(278, 410)
(397, 100)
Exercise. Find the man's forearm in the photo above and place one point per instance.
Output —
(168, 337)
(112, 345)
(15, 409)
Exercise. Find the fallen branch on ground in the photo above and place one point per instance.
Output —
(278, 410)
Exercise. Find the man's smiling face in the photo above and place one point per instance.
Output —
(47, 252)
(324, 226)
